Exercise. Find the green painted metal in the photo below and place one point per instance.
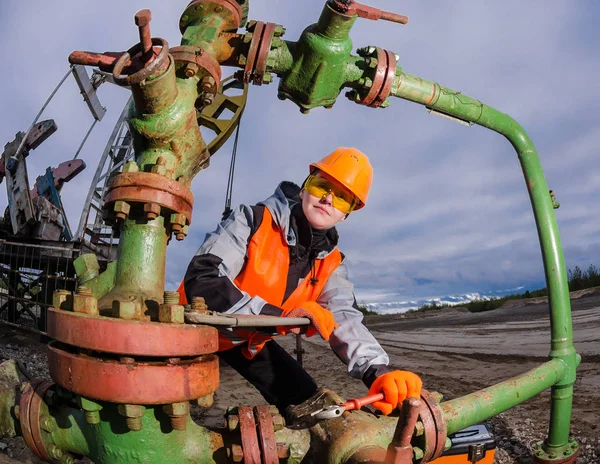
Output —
(465, 108)
(320, 61)
(111, 442)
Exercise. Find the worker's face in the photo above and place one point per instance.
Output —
(320, 211)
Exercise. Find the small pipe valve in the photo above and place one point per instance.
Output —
(350, 7)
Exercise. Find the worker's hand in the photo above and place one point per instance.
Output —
(396, 386)
(322, 321)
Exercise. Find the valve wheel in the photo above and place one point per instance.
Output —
(155, 67)
(210, 116)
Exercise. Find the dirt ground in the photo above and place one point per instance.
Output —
(455, 352)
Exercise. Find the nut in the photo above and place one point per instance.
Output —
(85, 304)
(152, 211)
(278, 422)
(237, 453)
(233, 422)
(171, 313)
(121, 208)
(208, 83)
(46, 423)
(283, 450)
(190, 69)
(127, 310)
(62, 299)
(54, 451)
(133, 414)
(206, 401)
(177, 409)
(131, 167)
(86, 267)
(143, 17)
(91, 410)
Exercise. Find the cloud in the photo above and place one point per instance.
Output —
(449, 209)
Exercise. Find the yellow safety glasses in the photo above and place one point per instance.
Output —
(320, 187)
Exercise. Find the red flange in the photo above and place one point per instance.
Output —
(383, 79)
(249, 436)
(148, 187)
(266, 434)
(30, 414)
(258, 53)
(435, 427)
(131, 338)
(134, 382)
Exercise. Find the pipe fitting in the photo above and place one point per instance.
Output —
(152, 211)
(86, 267)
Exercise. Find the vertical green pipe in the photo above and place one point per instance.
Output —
(455, 104)
(142, 258)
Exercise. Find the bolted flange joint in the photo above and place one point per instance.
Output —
(84, 302)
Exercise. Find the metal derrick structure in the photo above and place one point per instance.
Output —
(126, 365)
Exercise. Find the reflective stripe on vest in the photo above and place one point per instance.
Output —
(265, 275)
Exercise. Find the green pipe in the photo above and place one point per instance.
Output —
(455, 104)
(471, 409)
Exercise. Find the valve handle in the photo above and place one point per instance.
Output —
(350, 7)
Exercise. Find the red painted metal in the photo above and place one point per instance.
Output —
(568, 460)
(266, 434)
(148, 187)
(142, 21)
(231, 5)
(189, 54)
(357, 403)
(253, 52)
(249, 435)
(131, 338)
(367, 12)
(29, 418)
(383, 79)
(439, 424)
(24, 413)
(260, 66)
(133, 382)
(152, 68)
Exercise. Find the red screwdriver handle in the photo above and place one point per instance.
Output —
(357, 403)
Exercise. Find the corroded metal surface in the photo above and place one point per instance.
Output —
(382, 80)
(262, 54)
(154, 67)
(187, 54)
(249, 436)
(29, 416)
(133, 338)
(400, 450)
(266, 434)
(133, 382)
(195, 8)
(147, 187)
(435, 426)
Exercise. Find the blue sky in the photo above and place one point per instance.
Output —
(448, 211)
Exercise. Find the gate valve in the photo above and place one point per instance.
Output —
(350, 7)
(147, 58)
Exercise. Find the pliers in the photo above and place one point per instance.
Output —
(331, 412)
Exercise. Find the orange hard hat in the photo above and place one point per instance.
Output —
(351, 168)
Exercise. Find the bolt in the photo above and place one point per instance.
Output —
(82, 290)
(66, 459)
(199, 305)
(385, 104)
(237, 453)
(218, 9)
(160, 166)
(279, 31)
(208, 83)
(122, 209)
(281, 96)
(552, 456)
(419, 429)
(371, 62)
(184, 19)
(190, 69)
(171, 313)
(233, 422)
(206, 401)
(305, 110)
(208, 99)
(242, 60)
(357, 98)
(142, 21)
(92, 417)
(267, 78)
(396, 57)
(350, 94)
(179, 236)
(152, 211)
(133, 414)
(178, 413)
(283, 451)
(171, 297)
(568, 453)
(131, 167)
(54, 451)
(17, 411)
(278, 422)
(251, 25)
(91, 410)
(368, 83)
(417, 453)
(46, 423)
(60, 299)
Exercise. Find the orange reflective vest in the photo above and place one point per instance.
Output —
(265, 275)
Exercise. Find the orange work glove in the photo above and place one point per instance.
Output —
(396, 386)
(322, 321)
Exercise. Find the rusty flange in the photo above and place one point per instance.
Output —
(148, 187)
(131, 382)
(201, 8)
(564, 460)
(383, 80)
(187, 54)
(30, 414)
(258, 53)
(249, 436)
(131, 338)
(435, 427)
(266, 434)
